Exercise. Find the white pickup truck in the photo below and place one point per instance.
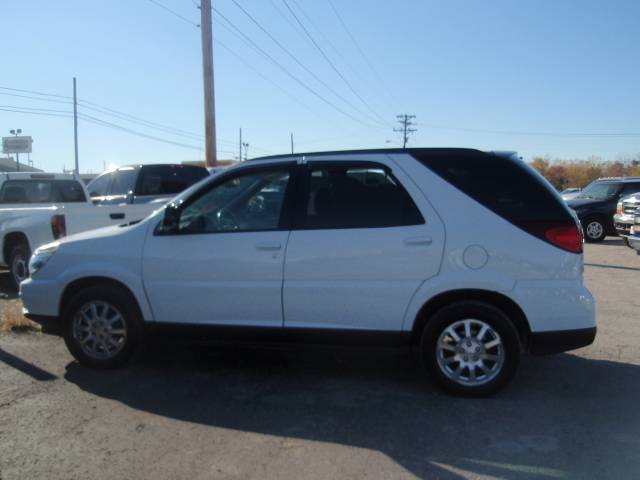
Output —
(37, 208)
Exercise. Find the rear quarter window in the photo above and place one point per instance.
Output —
(504, 185)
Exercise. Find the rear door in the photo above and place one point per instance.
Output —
(366, 239)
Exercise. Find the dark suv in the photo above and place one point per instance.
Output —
(596, 205)
(143, 183)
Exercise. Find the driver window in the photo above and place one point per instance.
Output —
(243, 203)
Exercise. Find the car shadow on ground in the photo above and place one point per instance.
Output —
(7, 292)
(563, 416)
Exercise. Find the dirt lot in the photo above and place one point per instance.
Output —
(207, 413)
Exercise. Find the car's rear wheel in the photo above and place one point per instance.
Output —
(102, 326)
(471, 348)
(594, 230)
(19, 264)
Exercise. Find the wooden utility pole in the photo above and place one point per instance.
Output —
(207, 71)
(75, 125)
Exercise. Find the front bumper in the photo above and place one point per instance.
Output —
(544, 343)
(622, 222)
(634, 242)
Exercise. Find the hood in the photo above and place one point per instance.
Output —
(104, 232)
(582, 202)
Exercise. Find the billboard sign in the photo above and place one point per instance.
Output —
(20, 144)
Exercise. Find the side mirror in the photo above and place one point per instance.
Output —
(171, 220)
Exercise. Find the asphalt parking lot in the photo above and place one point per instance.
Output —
(201, 413)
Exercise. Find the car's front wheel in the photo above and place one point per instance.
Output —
(594, 230)
(102, 326)
(19, 264)
(470, 348)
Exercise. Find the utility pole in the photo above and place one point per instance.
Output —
(240, 146)
(75, 125)
(292, 143)
(406, 130)
(207, 71)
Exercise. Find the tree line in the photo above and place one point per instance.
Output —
(579, 173)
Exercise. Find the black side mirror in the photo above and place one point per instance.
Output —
(171, 220)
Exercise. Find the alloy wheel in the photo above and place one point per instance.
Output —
(470, 352)
(100, 330)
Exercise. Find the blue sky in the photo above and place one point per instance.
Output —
(538, 69)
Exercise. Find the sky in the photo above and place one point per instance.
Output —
(553, 78)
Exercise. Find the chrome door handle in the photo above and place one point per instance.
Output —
(269, 246)
(418, 241)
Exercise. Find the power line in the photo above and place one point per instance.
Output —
(238, 32)
(360, 50)
(174, 13)
(33, 92)
(36, 113)
(40, 99)
(331, 64)
(303, 66)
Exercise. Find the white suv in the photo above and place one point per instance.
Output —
(470, 257)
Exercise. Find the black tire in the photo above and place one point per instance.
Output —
(475, 311)
(590, 226)
(19, 264)
(121, 302)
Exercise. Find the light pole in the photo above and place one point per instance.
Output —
(246, 151)
(15, 133)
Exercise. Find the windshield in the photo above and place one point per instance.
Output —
(600, 191)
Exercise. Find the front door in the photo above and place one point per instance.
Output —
(223, 262)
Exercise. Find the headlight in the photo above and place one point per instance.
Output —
(41, 256)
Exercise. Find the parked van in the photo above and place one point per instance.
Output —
(469, 257)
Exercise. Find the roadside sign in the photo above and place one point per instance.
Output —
(20, 144)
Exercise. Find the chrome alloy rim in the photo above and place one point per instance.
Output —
(594, 230)
(20, 269)
(470, 352)
(100, 330)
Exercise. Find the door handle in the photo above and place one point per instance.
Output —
(269, 246)
(418, 241)
(116, 216)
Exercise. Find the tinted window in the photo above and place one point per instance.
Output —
(168, 179)
(41, 191)
(68, 191)
(507, 186)
(124, 181)
(355, 197)
(630, 188)
(600, 190)
(26, 191)
(98, 187)
(246, 202)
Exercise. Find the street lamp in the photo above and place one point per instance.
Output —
(15, 133)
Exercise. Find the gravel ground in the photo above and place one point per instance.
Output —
(186, 412)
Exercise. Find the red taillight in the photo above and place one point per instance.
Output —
(567, 238)
(58, 226)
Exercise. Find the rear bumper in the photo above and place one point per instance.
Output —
(543, 343)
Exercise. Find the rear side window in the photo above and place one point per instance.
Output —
(41, 191)
(507, 186)
(168, 179)
(353, 196)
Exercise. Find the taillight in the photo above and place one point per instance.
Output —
(58, 226)
(567, 238)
